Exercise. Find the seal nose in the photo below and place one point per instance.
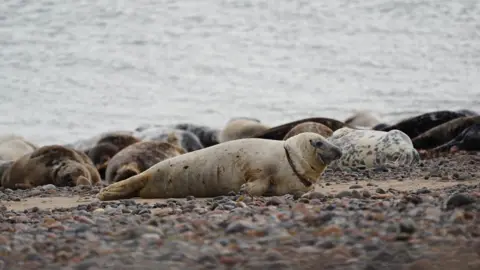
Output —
(336, 153)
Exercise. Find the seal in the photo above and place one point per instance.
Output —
(468, 140)
(13, 147)
(279, 132)
(443, 133)
(254, 166)
(371, 149)
(85, 144)
(467, 112)
(4, 165)
(182, 138)
(51, 164)
(241, 128)
(138, 157)
(415, 126)
(207, 136)
(106, 148)
(309, 127)
(365, 119)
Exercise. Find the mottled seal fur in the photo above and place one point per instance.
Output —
(279, 132)
(370, 149)
(309, 127)
(254, 166)
(138, 157)
(443, 133)
(415, 126)
(241, 128)
(208, 136)
(182, 138)
(364, 119)
(107, 147)
(51, 164)
(14, 146)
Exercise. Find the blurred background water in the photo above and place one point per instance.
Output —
(72, 69)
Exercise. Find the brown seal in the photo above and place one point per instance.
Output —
(138, 157)
(279, 132)
(107, 147)
(443, 133)
(309, 127)
(51, 164)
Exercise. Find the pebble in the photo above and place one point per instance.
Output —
(458, 200)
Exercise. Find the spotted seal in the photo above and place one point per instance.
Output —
(182, 138)
(138, 157)
(309, 127)
(279, 132)
(208, 136)
(254, 166)
(370, 149)
(51, 164)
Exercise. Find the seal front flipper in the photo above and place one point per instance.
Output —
(256, 187)
(125, 189)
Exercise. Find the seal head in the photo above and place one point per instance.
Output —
(468, 140)
(309, 154)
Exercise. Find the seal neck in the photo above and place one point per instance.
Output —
(302, 179)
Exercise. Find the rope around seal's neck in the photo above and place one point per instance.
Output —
(302, 179)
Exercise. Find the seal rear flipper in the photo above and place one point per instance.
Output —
(125, 189)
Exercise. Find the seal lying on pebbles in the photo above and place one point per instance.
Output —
(256, 166)
(309, 127)
(52, 164)
(138, 157)
(207, 136)
(362, 119)
(241, 128)
(182, 138)
(468, 140)
(443, 133)
(415, 126)
(106, 148)
(371, 149)
(13, 147)
(279, 132)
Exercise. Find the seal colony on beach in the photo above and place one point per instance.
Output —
(127, 155)
(255, 166)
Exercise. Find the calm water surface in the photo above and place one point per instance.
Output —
(72, 69)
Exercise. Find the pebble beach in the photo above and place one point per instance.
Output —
(426, 217)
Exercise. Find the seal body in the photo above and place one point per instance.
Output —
(279, 132)
(255, 166)
(364, 119)
(85, 144)
(182, 138)
(467, 140)
(207, 136)
(241, 128)
(415, 126)
(13, 147)
(138, 157)
(443, 133)
(370, 149)
(106, 148)
(52, 164)
(309, 127)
